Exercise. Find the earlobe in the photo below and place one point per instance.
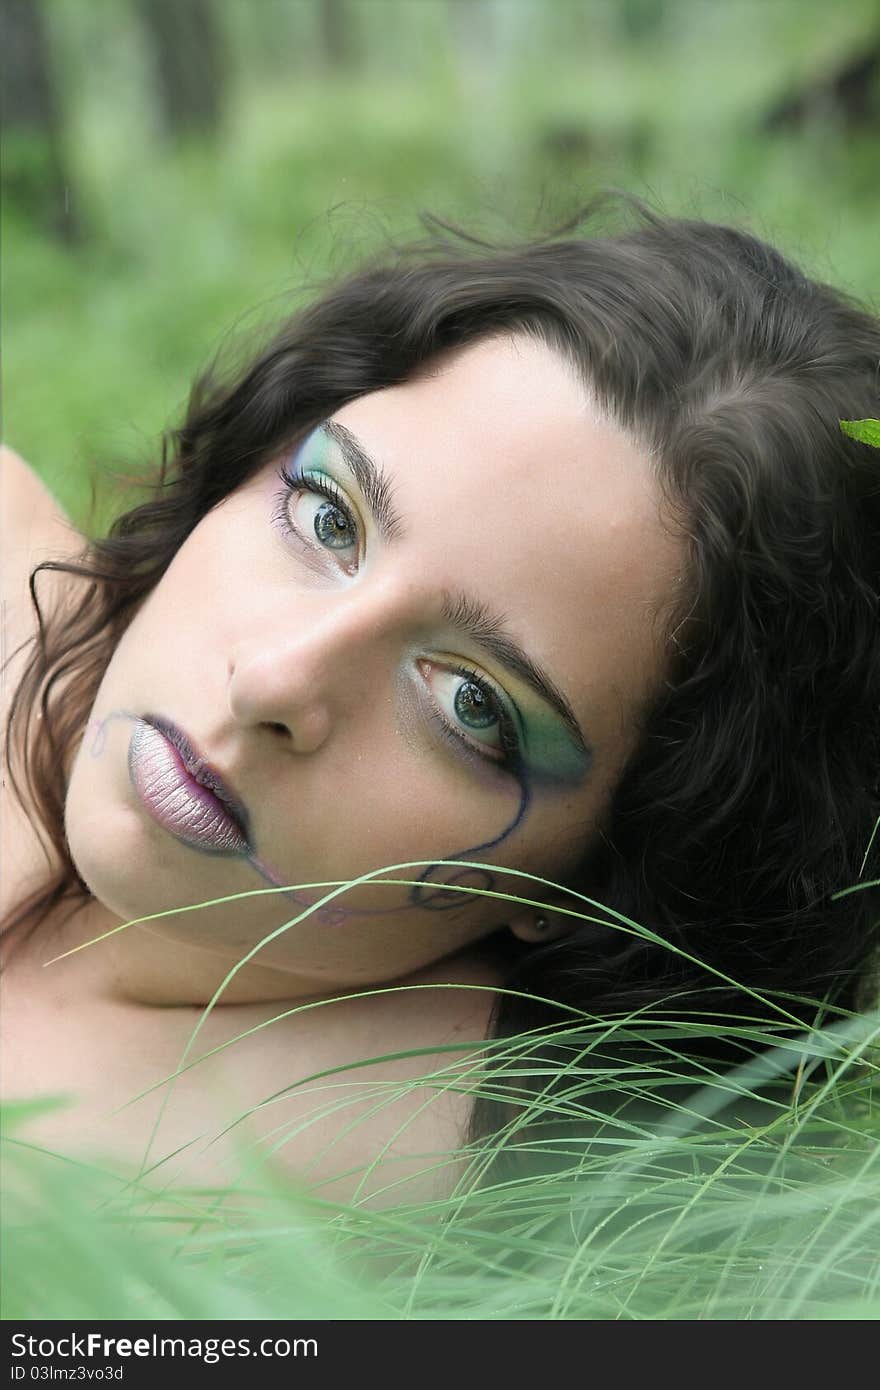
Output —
(537, 928)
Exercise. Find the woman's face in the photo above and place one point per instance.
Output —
(433, 642)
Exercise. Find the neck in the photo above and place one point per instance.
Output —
(92, 954)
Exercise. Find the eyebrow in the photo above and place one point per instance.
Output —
(472, 617)
(374, 486)
(468, 615)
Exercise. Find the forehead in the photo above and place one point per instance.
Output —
(512, 486)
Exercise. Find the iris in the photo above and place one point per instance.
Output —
(333, 527)
(473, 707)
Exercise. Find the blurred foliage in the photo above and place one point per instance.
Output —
(753, 1197)
(339, 120)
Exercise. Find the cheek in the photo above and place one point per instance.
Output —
(560, 831)
(101, 830)
(207, 574)
(379, 801)
(176, 629)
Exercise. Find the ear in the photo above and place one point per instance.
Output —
(536, 926)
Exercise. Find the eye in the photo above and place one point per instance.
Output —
(330, 523)
(314, 510)
(472, 711)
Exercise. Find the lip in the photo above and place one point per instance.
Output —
(183, 792)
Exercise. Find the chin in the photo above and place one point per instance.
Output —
(98, 871)
(107, 845)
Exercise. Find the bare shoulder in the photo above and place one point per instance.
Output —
(371, 1095)
(31, 518)
(33, 527)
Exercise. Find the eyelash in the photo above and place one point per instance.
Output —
(323, 486)
(507, 730)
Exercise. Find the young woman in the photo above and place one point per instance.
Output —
(553, 560)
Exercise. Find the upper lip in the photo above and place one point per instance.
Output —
(202, 772)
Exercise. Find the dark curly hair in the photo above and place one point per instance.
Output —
(753, 793)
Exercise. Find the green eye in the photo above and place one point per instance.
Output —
(471, 712)
(333, 527)
(318, 514)
(474, 707)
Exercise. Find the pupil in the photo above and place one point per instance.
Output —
(473, 708)
(331, 526)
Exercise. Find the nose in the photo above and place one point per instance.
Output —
(306, 668)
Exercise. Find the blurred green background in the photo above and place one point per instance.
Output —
(176, 171)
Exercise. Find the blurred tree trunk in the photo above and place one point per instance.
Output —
(849, 93)
(188, 58)
(641, 20)
(337, 41)
(35, 171)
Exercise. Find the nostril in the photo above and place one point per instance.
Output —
(280, 728)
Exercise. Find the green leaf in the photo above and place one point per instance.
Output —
(866, 431)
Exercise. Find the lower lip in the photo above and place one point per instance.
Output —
(175, 800)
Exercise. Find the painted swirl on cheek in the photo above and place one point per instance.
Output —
(432, 893)
(436, 897)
